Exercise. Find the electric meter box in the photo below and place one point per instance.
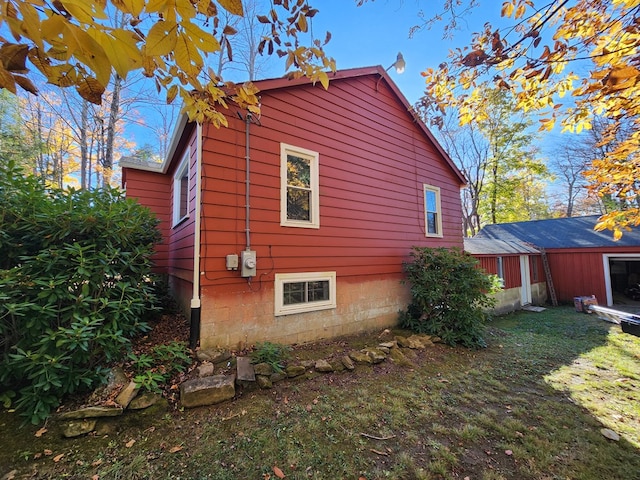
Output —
(248, 262)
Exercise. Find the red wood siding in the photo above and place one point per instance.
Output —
(153, 191)
(510, 266)
(578, 272)
(181, 236)
(373, 162)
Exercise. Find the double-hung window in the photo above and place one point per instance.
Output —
(432, 211)
(299, 190)
(181, 191)
(304, 292)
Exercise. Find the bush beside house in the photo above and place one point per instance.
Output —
(75, 286)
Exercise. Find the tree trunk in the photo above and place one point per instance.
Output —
(114, 113)
(84, 124)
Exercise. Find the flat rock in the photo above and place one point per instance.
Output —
(377, 355)
(263, 369)
(145, 400)
(213, 355)
(361, 357)
(388, 344)
(610, 434)
(277, 377)
(245, 369)
(207, 390)
(264, 381)
(323, 366)
(295, 371)
(347, 362)
(399, 358)
(127, 394)
(92, 412)
(79, 427)
(205, 369)
(416, 342)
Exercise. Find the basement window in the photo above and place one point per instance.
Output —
(304, 292)
(299, 187)
(181, 191)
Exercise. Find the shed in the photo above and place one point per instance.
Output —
(517, 264)
(581, 260)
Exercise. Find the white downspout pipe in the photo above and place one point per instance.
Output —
(194, 334)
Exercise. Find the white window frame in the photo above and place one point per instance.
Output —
(500, 270)
(282, 278)
(314, 214)
(183, 168)
(436, 190)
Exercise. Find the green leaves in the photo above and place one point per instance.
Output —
(449, 294)
(74, 276)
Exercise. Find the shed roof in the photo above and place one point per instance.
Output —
(574, 232)
(490, 246)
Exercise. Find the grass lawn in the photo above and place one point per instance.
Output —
(530, 406)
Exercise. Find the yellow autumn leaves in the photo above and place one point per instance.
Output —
(81, 43)
(534, 58)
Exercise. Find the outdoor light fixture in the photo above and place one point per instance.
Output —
(399, 64)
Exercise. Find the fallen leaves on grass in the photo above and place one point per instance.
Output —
(278, 473)
(41, 432)
(57, 458)
(175, 449)
(130, 443)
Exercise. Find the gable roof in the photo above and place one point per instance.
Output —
(490, 246)
(283, 83)
(573, 232)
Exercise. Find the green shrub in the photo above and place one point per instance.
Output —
(156, 368)
(449, 295)
(75, 286)
(272, 353)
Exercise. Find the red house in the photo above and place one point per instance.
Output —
(293, 226)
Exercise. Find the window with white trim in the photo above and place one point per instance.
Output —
(432, 212)
(299, 187)
(304, 292)
(181, 191)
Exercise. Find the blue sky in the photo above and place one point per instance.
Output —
(374, 33)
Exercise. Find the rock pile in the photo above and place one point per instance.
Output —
(219, 388)
(208, 388)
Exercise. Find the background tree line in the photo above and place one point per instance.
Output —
(541, 53)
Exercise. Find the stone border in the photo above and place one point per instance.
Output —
(208, 388)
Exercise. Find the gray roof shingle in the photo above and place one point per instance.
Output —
(490, 246)
(574, 232)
